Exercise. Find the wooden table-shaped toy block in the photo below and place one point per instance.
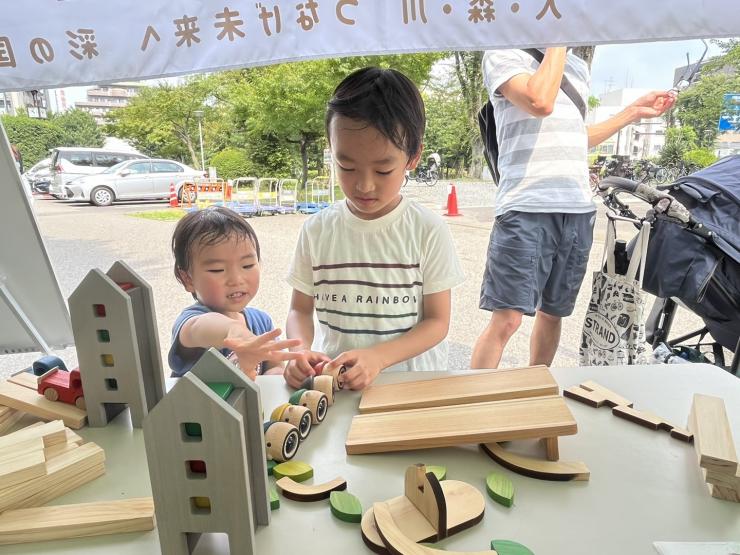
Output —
(418, 515)
(537, 417)
(76, 521)
(479, 387)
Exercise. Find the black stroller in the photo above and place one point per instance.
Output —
(694, 256)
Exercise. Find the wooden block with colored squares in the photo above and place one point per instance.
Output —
(210, 426)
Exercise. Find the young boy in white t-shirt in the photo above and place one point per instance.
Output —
(377, 268)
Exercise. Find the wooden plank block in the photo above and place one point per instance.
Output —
(51, 432)
(22, 398)
(63, 474)
(25, 467)
(589, 398)
(76, 521)
(20, 449)
(560, 471)
(712, 434)
(457, 390)
(428, 428)
(723, 480)
(652, 421)
(57, 450)
(25, 379)
(10, 420)
(726, 494)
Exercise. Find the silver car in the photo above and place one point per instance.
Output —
(133, 179)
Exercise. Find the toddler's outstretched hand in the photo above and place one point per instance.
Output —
(250, 350)
(302, 366)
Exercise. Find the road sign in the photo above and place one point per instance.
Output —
(729, 119)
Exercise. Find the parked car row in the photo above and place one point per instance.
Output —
(102, 176)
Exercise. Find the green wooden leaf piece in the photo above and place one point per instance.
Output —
(439, 471)
(222, 389)
(500, 489)
(270, 466)
(345, 506)
(297, 470)
(295, 399)
(507, 547)
(274, 499)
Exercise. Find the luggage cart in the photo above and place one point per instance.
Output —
(244, 196)
(267, 190)
(288, 196)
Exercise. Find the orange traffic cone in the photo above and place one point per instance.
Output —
(452, 203)
(173, 197)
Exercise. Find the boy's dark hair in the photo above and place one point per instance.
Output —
(207, 227)
(385, 99)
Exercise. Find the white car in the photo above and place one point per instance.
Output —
(68, 163)
(133, 180)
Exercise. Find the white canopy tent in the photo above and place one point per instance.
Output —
(57, 43)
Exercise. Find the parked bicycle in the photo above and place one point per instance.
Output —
(427, 176)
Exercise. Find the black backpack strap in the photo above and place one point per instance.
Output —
(565, 85)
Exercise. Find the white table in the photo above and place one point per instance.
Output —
(645, 486)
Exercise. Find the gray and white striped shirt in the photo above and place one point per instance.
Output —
(542, 161)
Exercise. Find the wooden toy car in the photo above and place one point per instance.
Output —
(281, 441)
(57, 385)
(315, 401)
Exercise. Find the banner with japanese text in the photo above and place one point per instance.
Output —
(54, 43)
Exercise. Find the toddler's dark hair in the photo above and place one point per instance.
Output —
(204, 228)
(385, 99)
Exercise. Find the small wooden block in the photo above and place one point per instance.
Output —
(560, 471)
(612, 399)
(76, 521)
(20, 449)
(301, 492)
(439, 471)
(589, 398)
(424, 491)
(25, 379)
(63, 474)
(23, 399)
(345, 506)
(274, 499)
(295, 470)
(500, 489)
(52, 433)
(9, 420)
(722, 480)
(712, 435)
(507, 547)
(726, 494)
(26, 467)
(552, 451)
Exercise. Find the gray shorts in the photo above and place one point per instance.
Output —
(537, 262)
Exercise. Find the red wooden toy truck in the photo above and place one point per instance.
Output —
(57, 385)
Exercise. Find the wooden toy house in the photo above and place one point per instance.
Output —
(115, 331)
(206, 455)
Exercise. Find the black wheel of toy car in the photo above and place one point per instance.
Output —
(102, 196)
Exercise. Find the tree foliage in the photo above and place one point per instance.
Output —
(78, 129)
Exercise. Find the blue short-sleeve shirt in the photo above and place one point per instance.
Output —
(181, 359)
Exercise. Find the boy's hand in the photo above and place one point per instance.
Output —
(363, 366)
(251, 349)
(302, 366)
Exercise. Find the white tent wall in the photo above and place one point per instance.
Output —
(57, 43)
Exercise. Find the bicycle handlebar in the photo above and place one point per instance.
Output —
(662, 202)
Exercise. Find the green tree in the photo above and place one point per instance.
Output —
(231, 163)
(161, 120)
(470, 77)
(288, 101)
(33, 137)
(593, 102)
(78, 129)
(678, 141)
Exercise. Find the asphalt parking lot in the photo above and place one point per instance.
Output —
(79, 236)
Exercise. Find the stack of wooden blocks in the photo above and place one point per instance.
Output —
(715, 447)
(481, 407)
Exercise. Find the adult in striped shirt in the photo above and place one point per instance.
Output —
(375, 269)
(544, 215)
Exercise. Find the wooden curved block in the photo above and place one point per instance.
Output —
(558, 471)
(301, 492)
(399, 544)
(465, 508)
